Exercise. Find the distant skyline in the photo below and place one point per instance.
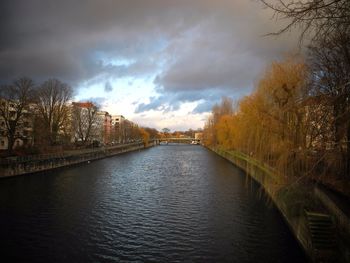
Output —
(159, 63)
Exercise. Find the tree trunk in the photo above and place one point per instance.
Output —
(347, 172)
(11, 142)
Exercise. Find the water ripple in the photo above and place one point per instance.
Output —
(165, 204)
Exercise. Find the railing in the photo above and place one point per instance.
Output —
(33, 158)
(30, 164)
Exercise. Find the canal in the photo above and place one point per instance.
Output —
(175, 203)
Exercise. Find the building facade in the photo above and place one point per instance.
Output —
(24, 127)
(118, 129)
(107, 124)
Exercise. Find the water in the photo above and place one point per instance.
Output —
(165, 204)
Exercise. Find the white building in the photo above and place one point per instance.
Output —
(118, 128)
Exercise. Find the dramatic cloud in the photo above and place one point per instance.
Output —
(171, 101)
(191, 51)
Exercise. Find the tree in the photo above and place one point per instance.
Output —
(51, 100)
(225, 131)
(152, 132)
(208, 132)
(318, 17)
(330, 60)
(270, 123)
(145, 136)
(84, 117)
(134, 132)
(224, 108)
(218, 110)
(165, 130)
(14, 106)
(329, 23)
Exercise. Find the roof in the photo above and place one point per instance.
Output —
(83, 104)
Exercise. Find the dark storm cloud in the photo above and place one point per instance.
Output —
(224, 53)
(54, 38)
(198, 49)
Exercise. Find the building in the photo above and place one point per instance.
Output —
(97, 128)
(107, 128)
(105, 119)
(118, 129)
(24, 128)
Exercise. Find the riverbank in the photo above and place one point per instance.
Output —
(37, 163)
(302, 203)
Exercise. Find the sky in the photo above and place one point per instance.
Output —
(160, 63)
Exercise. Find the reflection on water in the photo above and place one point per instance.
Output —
(165, 204)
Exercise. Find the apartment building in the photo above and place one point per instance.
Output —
(107, 126)
(24, 127)
(118, 129)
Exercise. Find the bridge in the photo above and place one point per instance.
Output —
(179, 140)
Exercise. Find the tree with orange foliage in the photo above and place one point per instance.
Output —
(225, 131)
(145, 136)
(270, 123)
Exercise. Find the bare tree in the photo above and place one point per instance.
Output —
(52, 97)
(317, 17)
(330, 60)
(84, 119)
(14, 106)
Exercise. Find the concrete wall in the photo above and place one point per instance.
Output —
(292, 198)
(32, 164)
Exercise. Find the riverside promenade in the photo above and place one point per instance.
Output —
(20, 165)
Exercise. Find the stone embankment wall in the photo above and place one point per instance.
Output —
(292, 198)
(31, 164)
